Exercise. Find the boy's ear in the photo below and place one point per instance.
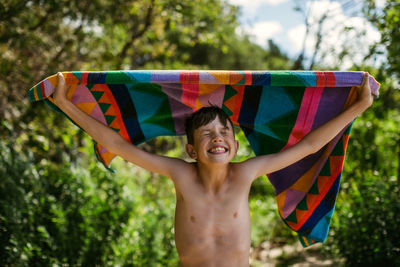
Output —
(190, 151)
(237, 146)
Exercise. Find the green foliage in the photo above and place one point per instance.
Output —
(60, 214)
(366, 229)
(58, 207)
(363, 230)
(47, 212)
(387, 21)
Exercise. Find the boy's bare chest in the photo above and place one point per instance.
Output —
(212, 225)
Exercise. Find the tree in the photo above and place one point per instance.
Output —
(387, 20)
(369, 207)
(53, 210)
(335, 34)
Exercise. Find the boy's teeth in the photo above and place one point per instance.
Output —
(217, 149)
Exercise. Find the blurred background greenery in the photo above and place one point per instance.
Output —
(59, 207)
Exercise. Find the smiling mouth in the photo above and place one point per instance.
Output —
(217, 150)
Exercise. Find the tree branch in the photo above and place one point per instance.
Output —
(135, 35)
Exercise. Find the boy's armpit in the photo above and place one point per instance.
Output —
(260, 165)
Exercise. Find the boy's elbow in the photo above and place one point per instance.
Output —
(311, 146)
(114, 145)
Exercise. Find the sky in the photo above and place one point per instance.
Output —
(277, 20)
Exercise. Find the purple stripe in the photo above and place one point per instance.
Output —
(206, 77)
(48, 88)
(330, 105)
(286, 177)
(345, 79)
(165, 76)
(179, 110)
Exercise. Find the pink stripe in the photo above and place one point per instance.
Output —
(305, 119)
(48, 87)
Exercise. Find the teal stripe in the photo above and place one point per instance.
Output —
(78, 75)
(39, 92)
(31, 95)
(242, 81)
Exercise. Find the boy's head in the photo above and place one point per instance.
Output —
(202, 117)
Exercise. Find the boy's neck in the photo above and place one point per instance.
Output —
(213, 176)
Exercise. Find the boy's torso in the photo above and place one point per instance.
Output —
(212, 229)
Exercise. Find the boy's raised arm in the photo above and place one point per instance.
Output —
(314, 140)
(111, 140)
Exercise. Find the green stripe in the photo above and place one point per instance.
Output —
(39, 92)
(31, 95)
(118, 77)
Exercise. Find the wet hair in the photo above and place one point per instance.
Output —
(202, 117)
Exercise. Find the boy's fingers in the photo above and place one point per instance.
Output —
(61, 80)
(365, 81)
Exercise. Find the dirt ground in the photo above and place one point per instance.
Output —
(268, 255)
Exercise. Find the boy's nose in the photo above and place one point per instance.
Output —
(217, 138)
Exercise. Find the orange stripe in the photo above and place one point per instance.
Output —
(123, 132)
(35, 94)
(321, 195)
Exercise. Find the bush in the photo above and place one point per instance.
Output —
(366, 231)
(58, 214)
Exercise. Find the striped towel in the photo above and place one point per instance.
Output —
(275, 109)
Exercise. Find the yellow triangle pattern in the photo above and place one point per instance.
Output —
(87, 107)
(71, 91)
(304, 182)
(205, 89)
(280, 200)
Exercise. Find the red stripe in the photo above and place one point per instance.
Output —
(42, 90)
(194, 77)
(320, 79)
(184, 77)
(238, 102)
(247, 78)
(330, 79)
(84, 77)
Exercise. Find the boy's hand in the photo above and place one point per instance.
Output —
(364, 92)
(60, 94)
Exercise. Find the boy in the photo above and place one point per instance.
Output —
(212, 219)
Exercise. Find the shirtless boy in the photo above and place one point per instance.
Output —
(212, 218)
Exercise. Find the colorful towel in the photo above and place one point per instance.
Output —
(274, 109)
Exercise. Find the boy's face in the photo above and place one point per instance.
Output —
(213, 143)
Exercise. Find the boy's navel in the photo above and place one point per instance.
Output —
(192, 219)
(235, 215)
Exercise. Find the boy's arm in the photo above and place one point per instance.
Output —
(111, 140)
(314, 140)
